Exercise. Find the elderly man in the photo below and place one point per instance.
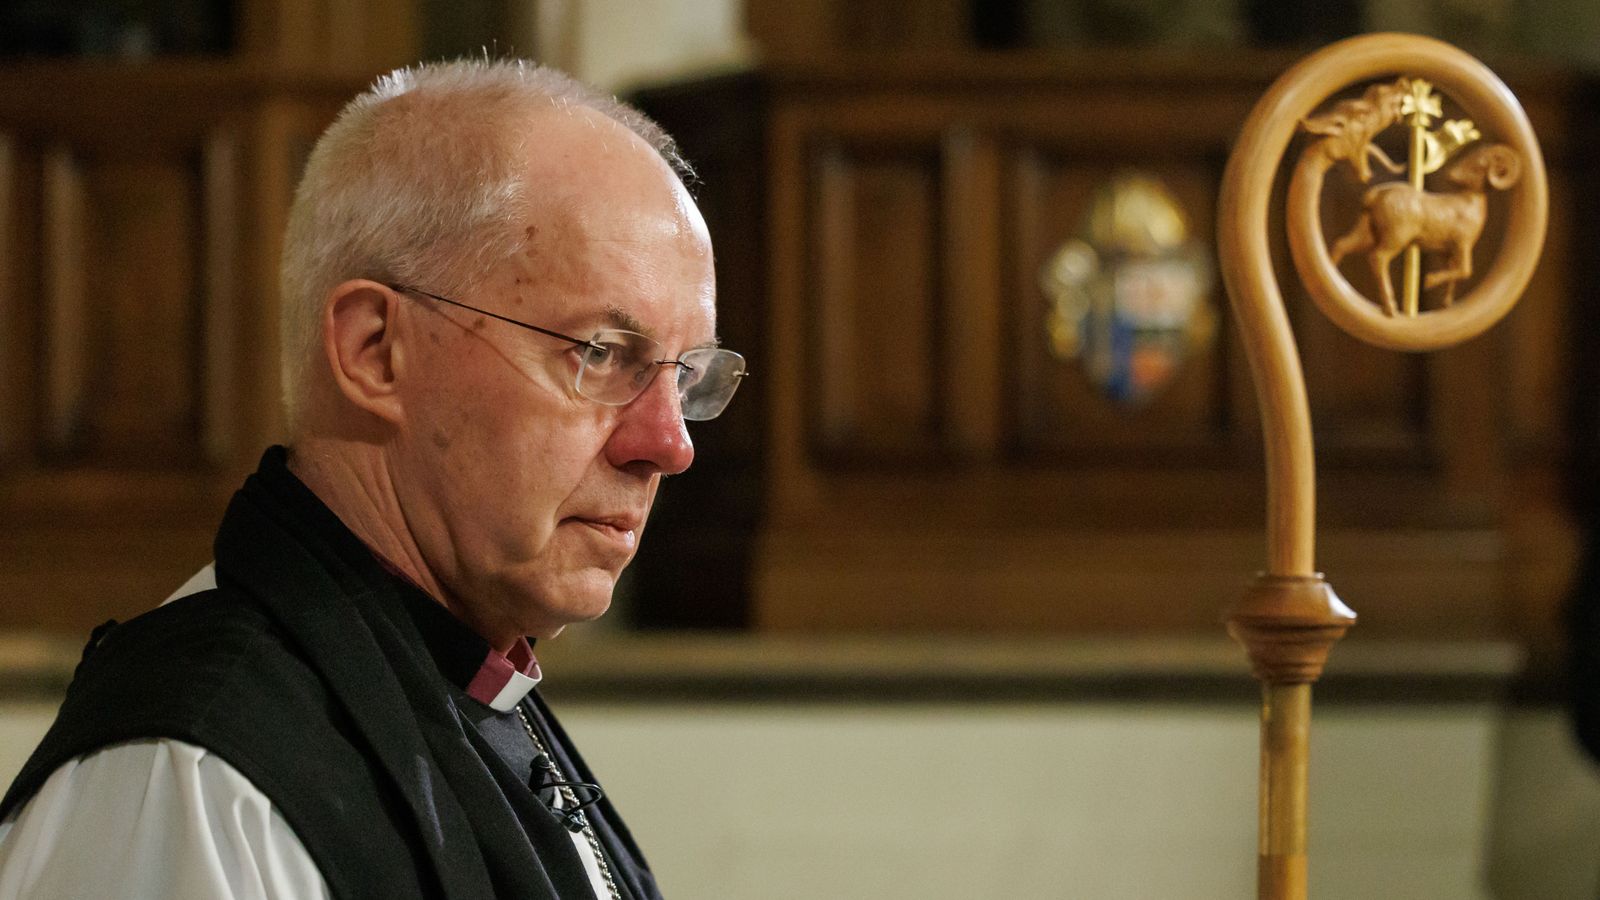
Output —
(487, 272)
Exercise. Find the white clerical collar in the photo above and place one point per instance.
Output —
(503, 680)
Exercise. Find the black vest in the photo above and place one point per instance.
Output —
(305, 671)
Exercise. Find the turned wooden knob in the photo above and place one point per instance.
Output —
(1287, 624)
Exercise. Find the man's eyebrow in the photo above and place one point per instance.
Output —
(625, 320)
(621, 318)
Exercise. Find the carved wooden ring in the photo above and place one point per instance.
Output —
(1489, 104)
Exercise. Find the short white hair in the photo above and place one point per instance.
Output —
(420, 181)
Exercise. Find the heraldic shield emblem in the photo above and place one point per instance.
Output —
(1130, 295)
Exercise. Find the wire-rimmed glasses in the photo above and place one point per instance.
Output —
(617, 365)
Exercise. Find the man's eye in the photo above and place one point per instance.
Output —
(608, 359)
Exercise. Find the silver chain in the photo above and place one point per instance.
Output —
(569, 797)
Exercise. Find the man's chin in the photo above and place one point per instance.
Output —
(584, 600)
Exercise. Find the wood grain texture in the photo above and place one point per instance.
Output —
(223, 223)
(13, 347)
(877, 355)
(972, 374)
(138, 318)
(807, 29)
(1285, 748)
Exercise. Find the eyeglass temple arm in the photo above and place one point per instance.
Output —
(555, 334)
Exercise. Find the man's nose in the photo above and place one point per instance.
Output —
(651, 429)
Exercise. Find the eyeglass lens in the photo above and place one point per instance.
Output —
(619, 365)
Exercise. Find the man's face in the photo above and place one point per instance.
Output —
(525, 499)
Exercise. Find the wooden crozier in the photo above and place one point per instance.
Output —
(1290, 618)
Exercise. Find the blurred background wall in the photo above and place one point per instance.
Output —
(936, 612)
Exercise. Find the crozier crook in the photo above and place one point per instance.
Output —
(1290, 618)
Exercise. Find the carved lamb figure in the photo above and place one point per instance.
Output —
(1396, 215)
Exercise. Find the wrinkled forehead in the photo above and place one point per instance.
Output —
(580, 160)
(641, 265)
(621, 221)
(610, 222)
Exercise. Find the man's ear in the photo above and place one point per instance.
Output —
(359, 337)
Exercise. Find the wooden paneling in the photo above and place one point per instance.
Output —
(982, 483)
(807, 29)
(138, 319)
(65, 351)
(329, 35)
(975, 347)
(142, 208)
(133, 341)
(1538, 397)
(875, 355)
(134, 363)
(1368, 404)
(222, 211)
(922, 580)
(13, 328)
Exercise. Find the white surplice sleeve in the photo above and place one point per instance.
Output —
(158, 819)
